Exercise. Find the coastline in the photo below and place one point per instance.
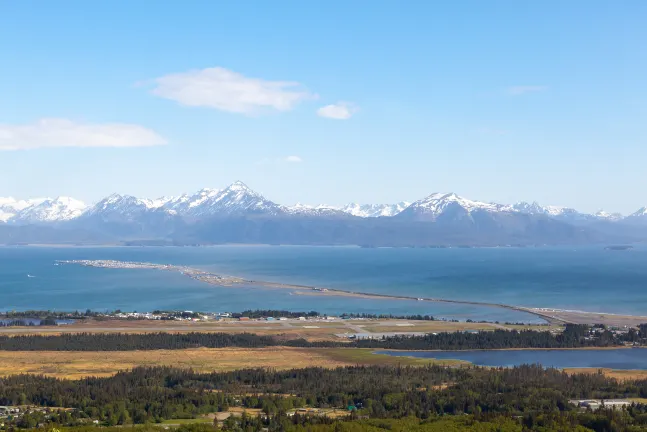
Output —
(550, 315)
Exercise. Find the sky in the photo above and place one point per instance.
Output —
(327, 101)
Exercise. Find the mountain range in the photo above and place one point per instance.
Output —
(237, 214)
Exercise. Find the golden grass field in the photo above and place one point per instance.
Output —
(621, 375)
(79, 364)
(311, 330)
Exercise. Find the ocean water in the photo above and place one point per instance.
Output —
(591, 279)
(635, 358)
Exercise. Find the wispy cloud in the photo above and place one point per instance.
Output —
(285, 159)
(338, 111)
(226, 90)
(293, 159)
(525, 89)
(56, 132)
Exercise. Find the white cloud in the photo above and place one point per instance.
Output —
(524, 89)
(338, 111)
(226, 90)
(293, 159)
(56, 132)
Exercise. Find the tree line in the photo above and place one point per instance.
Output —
(75, 315)
(48, 321)
(573, 336)
(400, 398)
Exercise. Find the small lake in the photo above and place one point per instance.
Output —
(621, 358)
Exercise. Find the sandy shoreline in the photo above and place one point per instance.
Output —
(553, 316)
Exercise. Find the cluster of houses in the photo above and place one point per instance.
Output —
(595, 404)
(171, 316)
(195, 316)
(301, 318)
(9, 413)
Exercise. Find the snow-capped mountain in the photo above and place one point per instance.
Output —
(613, 217)
(185, 203)
(236, 199)
(563, 213)
(122, 207)
(17, 205)
(375, 210)
(239, 200)
(638, 217)
(535, 208)
(237, 214)
(449, 205)
(125, 216)
(7, 210)
(319, 210)
(9, 207)
(50, 210)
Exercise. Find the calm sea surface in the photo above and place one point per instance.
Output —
(591, 279)
(635, 358)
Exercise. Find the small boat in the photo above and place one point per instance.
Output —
(30, 276)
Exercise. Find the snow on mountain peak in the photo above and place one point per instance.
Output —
(529, 208)
(641, 212)
(375, 210)
(601, 214)
(239, 199)
(563, 212)
(236, 198)
(436, 203)
(120, 204)
(17, 205)
(449, 205)
(51, 210)
(535, 208)
(11, 207)
(311, 210)
(185, 202)
(239, 186)
(7, 201)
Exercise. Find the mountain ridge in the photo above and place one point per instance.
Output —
(238, 196)
(240, 214)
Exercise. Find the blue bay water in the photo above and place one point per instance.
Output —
(591, 279)
(621, 358)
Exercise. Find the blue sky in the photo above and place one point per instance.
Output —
(327, 102)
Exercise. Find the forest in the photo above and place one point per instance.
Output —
(431, 398)
(573, 336)
(264, 313)
(28, 323)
